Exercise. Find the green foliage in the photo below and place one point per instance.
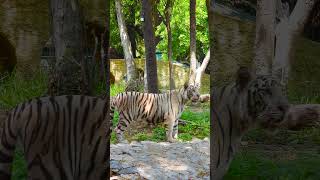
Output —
(180, 23)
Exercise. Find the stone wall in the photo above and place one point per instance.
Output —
(25, 24)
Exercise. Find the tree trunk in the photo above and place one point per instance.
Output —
(70, 73)
(202, 68)
(106, 63)
(149, 42)
(126, 45)
(131, 29)
(264, 43)
(216, 171)
(193, 39)
(287, 29)
(97, 56)
(168, 12)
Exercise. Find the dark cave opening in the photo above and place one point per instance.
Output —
(8, 58)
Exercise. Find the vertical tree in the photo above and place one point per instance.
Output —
(70, 73)
(264, 43)
(167, 21)
(214, 142)
(150, 49)
(125, 41)
(195, 73)
(193, 41)
(106, 62)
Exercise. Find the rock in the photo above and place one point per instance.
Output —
(151, 160)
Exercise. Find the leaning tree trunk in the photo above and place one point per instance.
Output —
(288, 28)
(70, 74)
(202, 68)
(126, 45)
(264, 42)
(193, 40)
(149, 42)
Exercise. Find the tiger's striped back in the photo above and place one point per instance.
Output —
(63, 137)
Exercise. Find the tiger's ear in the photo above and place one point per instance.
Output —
(243, 77)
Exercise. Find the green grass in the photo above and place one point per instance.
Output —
(198, 126)
(255, 165)
(307, 136)
(14, 89)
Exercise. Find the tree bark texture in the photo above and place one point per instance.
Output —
(150, 49)
(168, 13)
(125, 41)
(214, 142)
(106, 63)
(193, 41)
(264, 42)
(70, 73)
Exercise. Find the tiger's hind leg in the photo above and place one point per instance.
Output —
(170, 121)
(122, 125)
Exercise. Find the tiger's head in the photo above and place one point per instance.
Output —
(266, 104)
(191, 92)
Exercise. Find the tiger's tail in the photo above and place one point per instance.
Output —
(8, 140)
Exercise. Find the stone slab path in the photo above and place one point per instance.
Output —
(151, 160)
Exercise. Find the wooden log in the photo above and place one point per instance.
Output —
(301, 116)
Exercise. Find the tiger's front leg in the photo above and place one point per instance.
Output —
(175, 129)
(170, 121)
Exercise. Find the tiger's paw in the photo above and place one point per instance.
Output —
(171, 140)
(120, 139)
(124, 142)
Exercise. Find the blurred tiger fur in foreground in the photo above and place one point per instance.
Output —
(62, 137)
(152, 108)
